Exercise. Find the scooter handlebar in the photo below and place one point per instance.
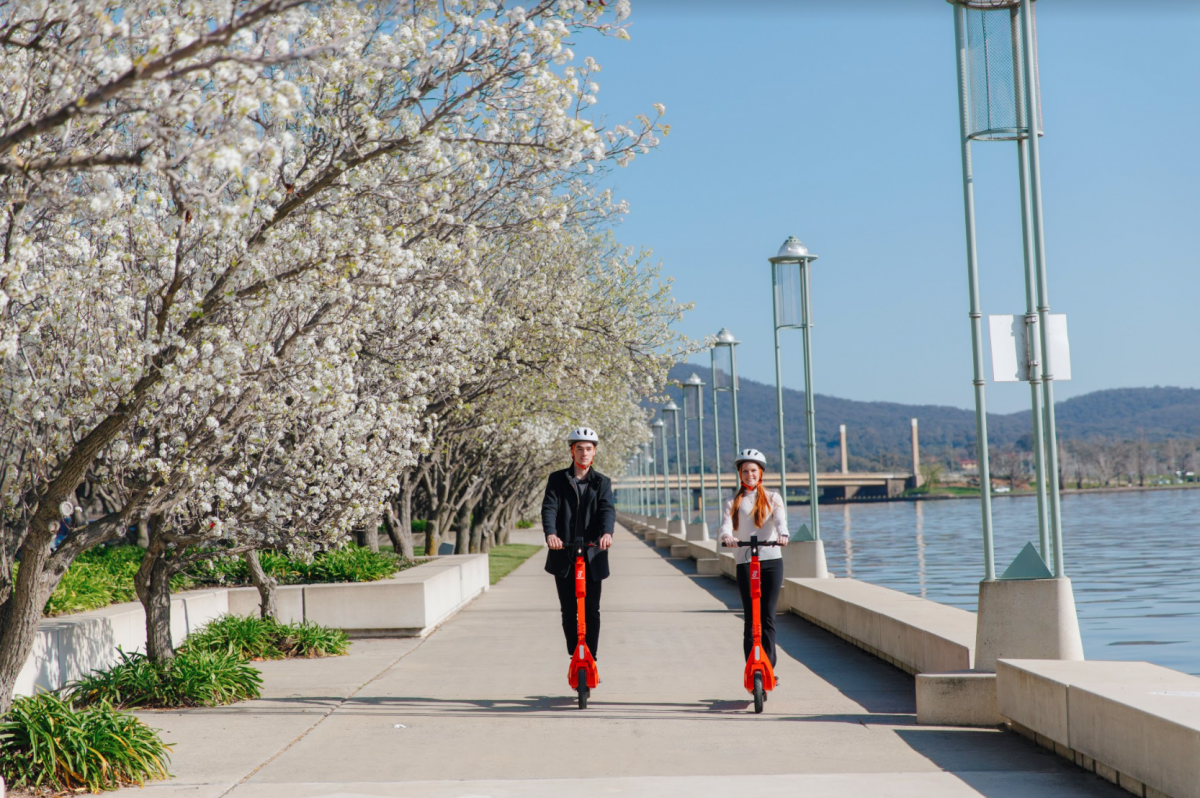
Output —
(741, 543)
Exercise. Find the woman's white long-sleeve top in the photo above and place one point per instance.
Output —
(773, 528)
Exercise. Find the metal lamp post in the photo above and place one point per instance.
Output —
(652, 475)
(641, 481)
(790, 285)
(677, 524)
(725, 345)
(661, 428)
(792, 308)
(1000, 100)
(693, 410)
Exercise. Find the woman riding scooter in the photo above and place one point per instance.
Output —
(755, 511)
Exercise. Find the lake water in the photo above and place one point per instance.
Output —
(1132, 557)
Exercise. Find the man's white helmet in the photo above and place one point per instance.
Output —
(750, 456)
(583, 434)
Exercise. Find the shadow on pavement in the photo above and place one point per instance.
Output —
(964, 753)
(874, 685)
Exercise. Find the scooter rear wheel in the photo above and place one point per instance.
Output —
(582, 687)
(759, 693)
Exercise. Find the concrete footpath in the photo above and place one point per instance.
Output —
(481, 707)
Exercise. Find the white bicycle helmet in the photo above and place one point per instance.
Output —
(750, 456)
(583, 434)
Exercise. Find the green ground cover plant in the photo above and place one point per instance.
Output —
(46, 743)
(266, 638)
(194, 678)
(524, 524)
(503, 559)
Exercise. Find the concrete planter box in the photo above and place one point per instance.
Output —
(71, 646)
(413, 603)
(1135, 724)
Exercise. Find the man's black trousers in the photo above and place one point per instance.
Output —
(772, 581)
(591, 610)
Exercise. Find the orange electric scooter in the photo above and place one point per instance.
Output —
(582, 675)
(759, 677)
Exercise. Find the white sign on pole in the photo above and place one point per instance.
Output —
(1011, 350)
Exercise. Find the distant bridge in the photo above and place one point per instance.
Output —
(834, 486)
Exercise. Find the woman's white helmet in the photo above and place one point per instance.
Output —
(583, 434)
(750, 456)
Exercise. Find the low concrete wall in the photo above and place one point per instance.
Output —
(912, 633)
(70, 646)
(1135, 724)
(412, 603)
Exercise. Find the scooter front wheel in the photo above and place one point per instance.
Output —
(583, 688)
(759, 693)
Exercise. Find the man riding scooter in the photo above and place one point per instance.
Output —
(579, 504)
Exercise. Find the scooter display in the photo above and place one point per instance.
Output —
(582, 675)
(759, 677)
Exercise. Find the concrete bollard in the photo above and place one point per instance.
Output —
(676, 526)
(1026, 619)
(805, 559)
(961, 698)
(698, 531)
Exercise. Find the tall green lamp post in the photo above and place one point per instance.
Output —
(724, 378)
(677, 525)
(1000, 100)
(659, 427)
(693, 410)
(792, 309)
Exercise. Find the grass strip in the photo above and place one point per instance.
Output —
(503, 559)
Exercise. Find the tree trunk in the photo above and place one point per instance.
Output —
(20, 614)
(432, 537)
(399, 530)
(155, 595)
(373, 532)
(462, 526)
(266, 585)
(143, 533)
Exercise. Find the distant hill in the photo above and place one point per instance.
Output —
(878, 432)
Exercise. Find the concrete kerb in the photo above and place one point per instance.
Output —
(1134, 723)
(411, 604)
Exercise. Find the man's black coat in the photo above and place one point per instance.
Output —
(562, 516)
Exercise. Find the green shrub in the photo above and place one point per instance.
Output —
(249, 638)
(352, 564)
(420, 525)
(313, 640)
(523, 524)
(46, 744)
(195, 678)
(105, 574)
(266, 638)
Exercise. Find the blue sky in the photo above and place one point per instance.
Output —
(837, 122)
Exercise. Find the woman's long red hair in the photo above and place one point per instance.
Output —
(762, 506)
